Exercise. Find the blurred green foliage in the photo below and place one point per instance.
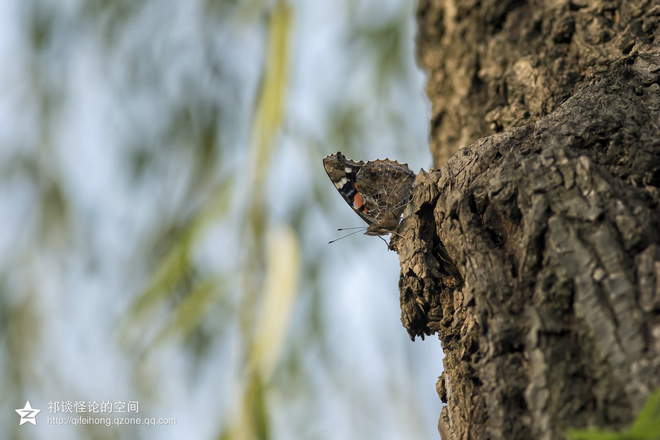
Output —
(150, 247)
(645, 427)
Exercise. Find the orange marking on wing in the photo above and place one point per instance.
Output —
(357, 201)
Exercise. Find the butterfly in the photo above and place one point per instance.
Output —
(377, 190)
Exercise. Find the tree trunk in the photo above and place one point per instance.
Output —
(534, 253)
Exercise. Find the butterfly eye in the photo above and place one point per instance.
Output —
(396, 174)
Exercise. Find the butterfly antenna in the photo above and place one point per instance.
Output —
(360, 229)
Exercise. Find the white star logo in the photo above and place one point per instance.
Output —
(28, 415)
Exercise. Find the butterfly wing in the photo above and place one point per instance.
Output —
(386, 188)
(378, 191)
(344, 174)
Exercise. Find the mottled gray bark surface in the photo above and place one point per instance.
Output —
(497, 64)
(534, 253)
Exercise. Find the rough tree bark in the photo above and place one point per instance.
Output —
(534, 253)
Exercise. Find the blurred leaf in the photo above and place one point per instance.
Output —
(593, 435)
(110, 15)
(271, 274)
(175, 264)
(221, 8)
(385, 43)
(267, 123)
(41, 27)
(280, 289)
(272, 99)
(645, 427)
(169, 272)
(252, 422)
(191, 311)
(259, 415)
(54, 227)
(647, 424)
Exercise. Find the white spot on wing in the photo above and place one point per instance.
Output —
(348, 170)
(341, 183)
